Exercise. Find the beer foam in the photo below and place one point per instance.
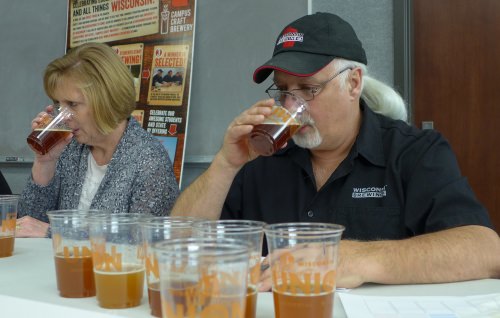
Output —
(127, 269)
(297, 294)
(251, 290)
(53, 129)
(71, 255)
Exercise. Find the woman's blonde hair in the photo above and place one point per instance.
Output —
(105, 81)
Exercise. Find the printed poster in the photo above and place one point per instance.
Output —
(131, 55)
(111, 20)
(169, 68)
(149, 36)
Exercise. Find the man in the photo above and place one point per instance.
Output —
(157, 78)
(177, 78)
(168, 79)
(410, 216)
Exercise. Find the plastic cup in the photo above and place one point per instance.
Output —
(283, 122)
(8, 213)
(118, 257)
(51, 131)
(303, 260)
(249, 232)
(158, 229)
(72, 252)
(203, 277)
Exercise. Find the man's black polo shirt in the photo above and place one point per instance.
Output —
(397, 182)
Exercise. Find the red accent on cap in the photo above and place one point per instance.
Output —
(289, 29)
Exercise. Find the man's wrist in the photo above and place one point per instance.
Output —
(222, 166)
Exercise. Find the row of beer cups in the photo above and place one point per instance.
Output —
(193, 267)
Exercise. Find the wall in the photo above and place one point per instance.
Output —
(229, 44)
(373, 22)
(232, 39)
(32, 34)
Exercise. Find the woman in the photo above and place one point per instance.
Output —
(109, 161)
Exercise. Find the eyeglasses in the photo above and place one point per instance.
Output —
(307, 93)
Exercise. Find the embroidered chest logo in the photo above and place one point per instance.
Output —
(369, 192)
(289, 37)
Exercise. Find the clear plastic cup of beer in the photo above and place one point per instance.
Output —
(52, 130)
(8, 214)
(158, 229)
(303, 263)
(249, 232)
(203, 277)
(284, 121)
(118, 258)
(72, 252)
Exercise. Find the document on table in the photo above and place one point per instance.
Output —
(480, 306)
(24, 308)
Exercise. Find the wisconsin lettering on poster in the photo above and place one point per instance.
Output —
(111, 20)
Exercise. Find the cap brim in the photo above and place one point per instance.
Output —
(293, 63)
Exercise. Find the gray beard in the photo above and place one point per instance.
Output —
(308, 140)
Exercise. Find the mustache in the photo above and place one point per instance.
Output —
(307, 119)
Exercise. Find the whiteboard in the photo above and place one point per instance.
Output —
(33, 33)
(232, 39)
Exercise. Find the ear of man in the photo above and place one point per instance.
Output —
(354, 82)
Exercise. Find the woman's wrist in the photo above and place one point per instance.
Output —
(48, 233)
(43, 172)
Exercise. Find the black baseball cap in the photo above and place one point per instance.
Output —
(309, 43)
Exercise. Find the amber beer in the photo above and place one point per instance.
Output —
(8, 214)
(299, 305)
(182, 297)
(268, 138)
(120, 289)
(251, 302)
(6, 246)
(304, 267)
(154, 299)
(75, 276)
(249, 232)
(187, 298)
(41, 140)
(278, 127)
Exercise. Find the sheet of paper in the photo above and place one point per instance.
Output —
(480, 306)
(23, 308)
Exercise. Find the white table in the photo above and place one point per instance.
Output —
(29, 277)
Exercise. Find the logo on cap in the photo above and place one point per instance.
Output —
(290, 36)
